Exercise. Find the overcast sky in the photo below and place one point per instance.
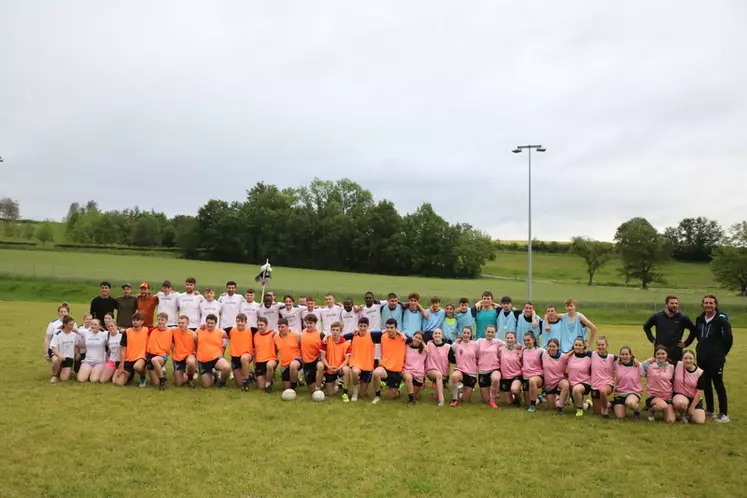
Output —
(642, 106)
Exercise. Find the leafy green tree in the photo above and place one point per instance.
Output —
(694, 239)
(45, 232)
(594, 253)
(642, 250)
(146, 231)
(738, 234)
(9, 209)
(729, 268)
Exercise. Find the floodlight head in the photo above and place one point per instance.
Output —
(541, 149)
(516, 151)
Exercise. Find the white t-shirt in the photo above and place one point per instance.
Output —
(53, 327)
(169, 304)
(349, 321)
(95, 345)
(114, 346)
(210, 308)
(374, 316)
(82, 331)
(189, 304)
(231, 308)
(65, 343)
(293, 316)
(272, 314)
(250, 310)
(316, 313)
(330, 316)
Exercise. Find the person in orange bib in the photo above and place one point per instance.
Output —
(160, 344)
(241, 348)
(362, 356)
(210, 353)
(288, 347)
(265, 355)
(132, 349)
(183, 356)
(311, 343)
(393, 350)
(335, 357)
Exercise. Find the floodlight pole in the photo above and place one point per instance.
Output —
(518, 150)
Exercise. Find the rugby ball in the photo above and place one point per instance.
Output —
(288, 395)
(318, 396)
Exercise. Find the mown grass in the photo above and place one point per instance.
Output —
(99, 440)
(63, 266)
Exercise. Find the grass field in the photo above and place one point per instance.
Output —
(99, 440)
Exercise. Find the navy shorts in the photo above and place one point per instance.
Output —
(331, 378)
(235, 362)
(67, 363)
(260, 369)
(650, 400)
(309, 372)
(393, 379)
(180, 365)
(506, 384)
(587, 387)
(149, 360)
(595, 394)
(129, 366)
(365, 376)
(207, 367)
(525, 382)
(483, 379)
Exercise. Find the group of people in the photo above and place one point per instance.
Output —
(512, 355)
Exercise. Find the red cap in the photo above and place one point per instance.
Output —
(144, 285)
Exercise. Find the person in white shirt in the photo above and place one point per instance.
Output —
(292, 313)
(371, 310)
(330, 314)
(209, 307)
(189, 304)
(269, 311)
(310, 308)
(249, 308)
(113, 337)
(54, 326)
(231, 306)
(82, 331)
(349, 317)
(94, 341)
(168, 302)
(63, 350)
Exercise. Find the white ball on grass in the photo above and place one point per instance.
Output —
(318, 396)
(288, 395)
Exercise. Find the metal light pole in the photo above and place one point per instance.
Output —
(518, 150)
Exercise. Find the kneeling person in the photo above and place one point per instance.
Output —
(288, 348)
(241, 347)
(335, 353)
(183, 356)
(393, 343)
(63, 346)
(210, 353)
(132, 349)
(311, 344)
(157, 354)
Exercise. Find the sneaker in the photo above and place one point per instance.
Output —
(53, 380)
(454, 404)
(684, 419)
(268, 389)
(636, 415)
(376, 400)
(710, 414)
(231, 377)
(541, 399)
(579, 412)
(191, 384)
(722, 419)
(224, 387)
(532, 409)
(383, 385)
(606, 416)
(345, 398)
(162, 386)
(440, 403)
(141, 384)
(244, 388)
(493, 404)
(651, 417)
(559, 410)
(410, 402)
(354, 398)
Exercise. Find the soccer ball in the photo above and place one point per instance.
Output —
(288, 395)
(318, 396)
(587, 405)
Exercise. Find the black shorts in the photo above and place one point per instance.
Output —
(49, 352)
(180, 365)
(417, 382)
(525, 382)
(365, 376)
(551, 391)
(129, 366)
(393, 379)
(149, 360)
(235, 362)
(483, 380)
(331, 378)
(506, 384)
(468, 380)
(309, 372)
(650, 399)
(77, 363)
(260, 369)
(207, 367)
(699, 406)
(620, 399)
(285, 373)
(595, 394)
(587, 388)
(67, 363)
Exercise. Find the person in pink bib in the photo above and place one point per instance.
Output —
(414, 369)
(531, 371)
(510, 359)
(556, 386)
(437, 363)
(488, 366)
(688, 390)
(628, 388)
(579, 374)
(659, 374)
(602, 377)
(465, 360)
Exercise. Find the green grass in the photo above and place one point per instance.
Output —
(99, 440)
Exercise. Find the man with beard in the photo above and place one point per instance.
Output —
(670, 324)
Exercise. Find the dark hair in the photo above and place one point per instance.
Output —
(288, 296)
(553, 341)
(282, 321)
(487, 293)
(506, 300)
(391, 321)
(551, 306)
(534, 339)
(241, 316)
(166, 283)
(363, 319)
(105, 283)
(190, 280)
(661, 347)
(261, 319)
(632, 356)
(435, 300)
(211, 317)
(463, 300)
(249, 291)
(67, 319)
(421, 347)
(715, 299)
(311, 319)
(230, 282)
(137, 316)
(413, 295)
(669, 298)
(369, 293)
(336, 325)
(470, 331)
(391, 295)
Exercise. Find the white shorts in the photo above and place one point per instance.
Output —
(94, 364)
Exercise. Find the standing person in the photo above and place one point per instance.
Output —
(554, 329)
(231, 304)
(450, 327)
(189, 303)
(556, 386)
(435, 320)
(292, 313)
(209, 306)
(465, 367)
(575, 324)
(628, 387)
(485, 315)
(126, 307)
(241, 350)
(160, 344)
(413, 316)
(659, 373)
(210, 354)
(335, 355)
(688, 390)
(146, 304)
(713, 331)
(393, 310)
(331, 313)
(349, 317)
(113, 338)
(602, 377)
(310, 308)
(393, 343)
(249, 307)
(670, 325)
(506, 319)
(463, 315)
(270, 312)
(184, 355)
(489, 364)
(526, 321)
(133, 348)
(63, 346)
(53, 327)
(413, 372)
(371, 309)
(94, 341)
(103, 303)
(168, 302)
(437, 364)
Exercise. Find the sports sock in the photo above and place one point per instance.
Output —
(294, 385)
(355, 391)
(344, 390)
(411, 396)
(378, 393)
(533, 402)
(454, 391)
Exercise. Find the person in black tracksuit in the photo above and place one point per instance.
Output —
(713, 331)
(670, 326)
